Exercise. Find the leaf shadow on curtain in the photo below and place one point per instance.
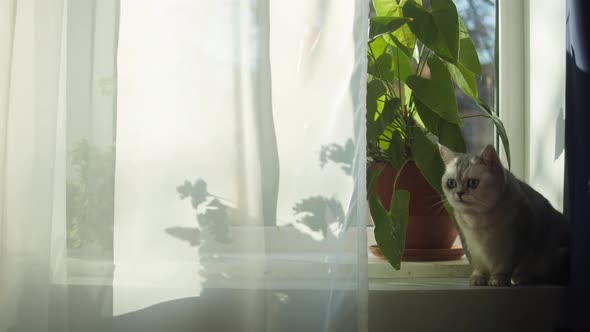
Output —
(336, 305)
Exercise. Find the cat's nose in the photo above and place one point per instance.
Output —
(459, 194)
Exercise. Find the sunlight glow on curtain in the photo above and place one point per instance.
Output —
(182, 165)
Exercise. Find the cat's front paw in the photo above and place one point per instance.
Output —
(499, 280)
(478, 279)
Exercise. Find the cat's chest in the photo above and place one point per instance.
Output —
(489, 241)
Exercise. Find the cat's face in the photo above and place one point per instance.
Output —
(472, 183)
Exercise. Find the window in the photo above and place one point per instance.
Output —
(480, 19)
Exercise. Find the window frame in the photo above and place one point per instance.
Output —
(511, 28)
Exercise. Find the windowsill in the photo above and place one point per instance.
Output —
(294, 257)
(452, 284)
(450, 304)
(381, 269)
(409, 300)
(436, 296)
(449, 275)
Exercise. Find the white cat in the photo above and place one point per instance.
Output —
(510, 232)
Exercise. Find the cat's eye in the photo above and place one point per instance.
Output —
(451, 183)
(472, 183)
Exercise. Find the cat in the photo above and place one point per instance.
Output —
(510, 232)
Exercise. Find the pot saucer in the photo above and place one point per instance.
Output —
(424, 255)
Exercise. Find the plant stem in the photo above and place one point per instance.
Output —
(476, 116)
(399, 75)
(419, 58)
(425, 61)
(397, 175)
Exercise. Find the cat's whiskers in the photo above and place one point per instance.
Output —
(439, 206)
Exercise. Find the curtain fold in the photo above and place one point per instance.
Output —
(182, 165)
(8, 18)
(32, 246)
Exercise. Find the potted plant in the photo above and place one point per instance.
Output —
(416, 55)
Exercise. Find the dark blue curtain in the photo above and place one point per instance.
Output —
(578, 157)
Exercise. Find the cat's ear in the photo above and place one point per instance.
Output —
(447, 154)
(490, 156)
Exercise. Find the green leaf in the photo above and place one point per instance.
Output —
(463, 32)
(384, 140)
(396, 150)
(390, 226)
(468, 56)
(390, 110)
(424, 26)
(375, 90)
(383, 24)
(402, 37)
(465, 79)
(427, 157)
(429, 118)
(499, 127)
(386, 7)
(373, 173)
(390, 7)
(382, 68)
(449, 134)
(380, 61)
(438, 93)
(467, 53)
(377, 47)
(446, 18)
(401, 64)
(389, 62)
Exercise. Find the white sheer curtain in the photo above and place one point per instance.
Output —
(182, 165)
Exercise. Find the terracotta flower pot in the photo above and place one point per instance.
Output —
(429, 225)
